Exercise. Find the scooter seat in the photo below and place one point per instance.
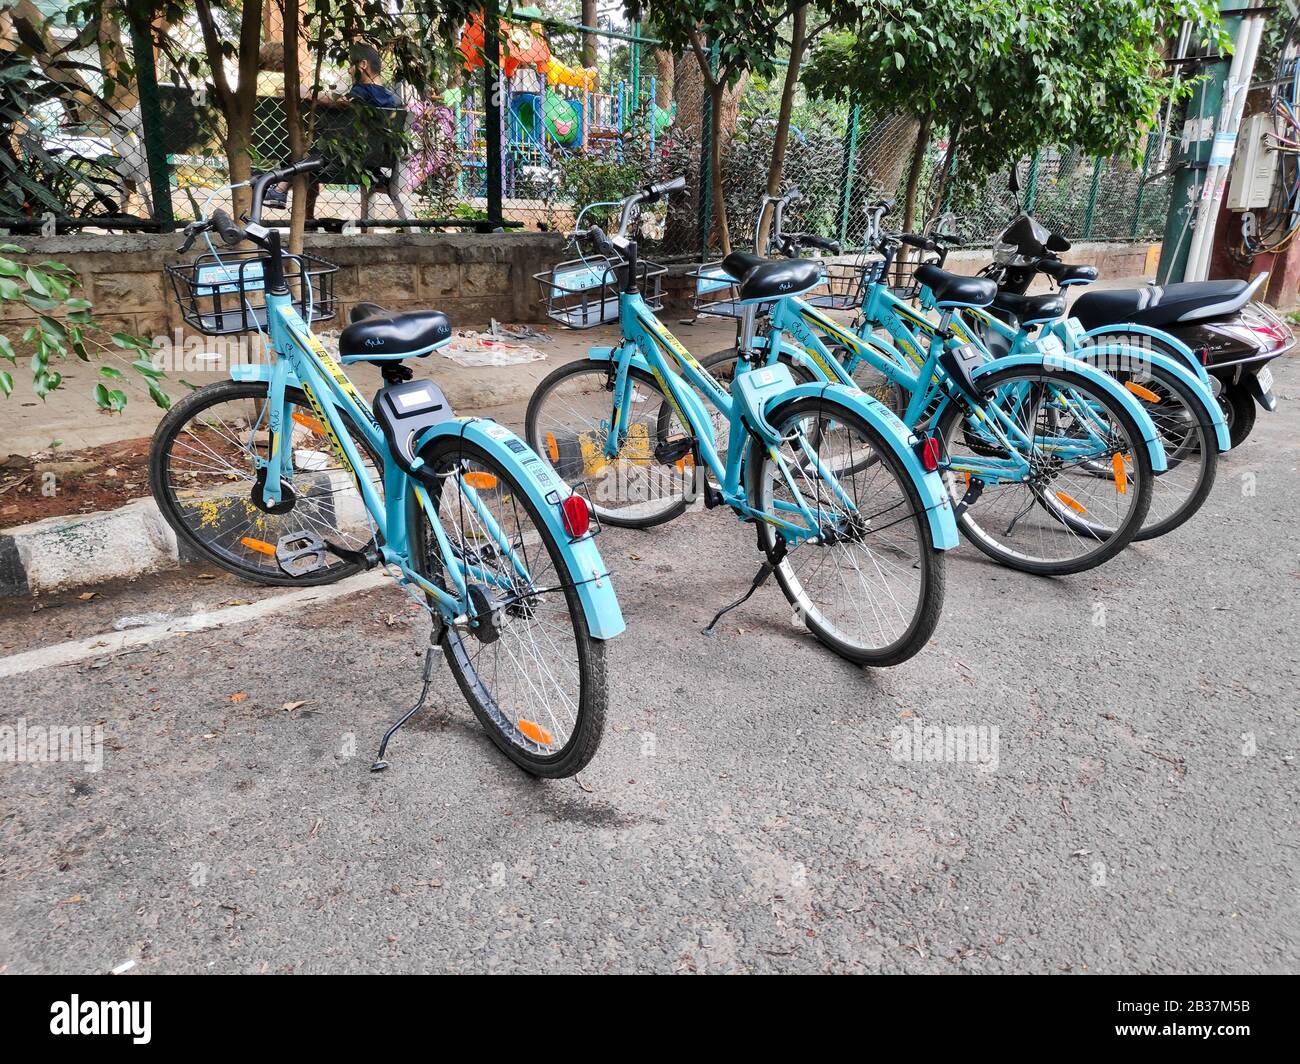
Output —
(1066, 273)
(1155, 305)
(955, 289)
(1030, 310)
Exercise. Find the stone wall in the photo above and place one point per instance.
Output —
(472, 277)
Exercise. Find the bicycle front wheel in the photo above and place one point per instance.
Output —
(524, 659)
(1050, 476)
(868, 582)
(203, 474)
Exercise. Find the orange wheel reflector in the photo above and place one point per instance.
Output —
(1072, 503)
(552, 448)
(480, 481)
(536, 732)
(1145, 394)
(1121, 473)
(259, 545)
(309, 422)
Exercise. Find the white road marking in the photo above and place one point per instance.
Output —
(98, 646)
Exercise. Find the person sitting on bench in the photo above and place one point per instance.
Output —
(367, 87)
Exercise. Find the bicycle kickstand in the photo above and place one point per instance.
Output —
(435, 639)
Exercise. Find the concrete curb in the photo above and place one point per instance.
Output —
(81, 549)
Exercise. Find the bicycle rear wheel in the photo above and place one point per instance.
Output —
(1066, 514)
(870, 585)
(525, 660)
(651, 478)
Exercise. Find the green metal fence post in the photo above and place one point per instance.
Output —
(706, 154)
(492, 90)
(1093, 190)
(634, 70)
(146, 79)
(1031, 184)
(847, 172)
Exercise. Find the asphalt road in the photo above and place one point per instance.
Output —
(747, 811)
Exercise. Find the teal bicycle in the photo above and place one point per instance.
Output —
(853, 523)
(285, 475)
(1049, 462)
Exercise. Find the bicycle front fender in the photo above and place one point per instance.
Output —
(1104, 381)
(582, 561)
(901, 440)
(1126, 356)
(1169, 340)
(688, 395)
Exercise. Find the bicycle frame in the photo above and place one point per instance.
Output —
(649, 346)
(915, 368)
(302, 362)
(674, 368)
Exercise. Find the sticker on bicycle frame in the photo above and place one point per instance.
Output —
(224, 279)
(498, 432)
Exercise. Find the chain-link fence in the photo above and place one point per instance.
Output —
(569, 134)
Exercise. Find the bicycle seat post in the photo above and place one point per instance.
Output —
(745, 333)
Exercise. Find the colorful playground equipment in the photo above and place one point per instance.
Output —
(550, 109)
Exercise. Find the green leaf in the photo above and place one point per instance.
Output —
(6, 383)
(109, 399)
(37, 281)
(7, 349)
(111, 372)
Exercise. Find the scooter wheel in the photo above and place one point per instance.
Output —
(1238, 411)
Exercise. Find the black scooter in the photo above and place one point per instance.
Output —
(1231, 335)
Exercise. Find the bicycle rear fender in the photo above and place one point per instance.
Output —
(1103, 353)
(1172, 342)
(901, 440)
(1104, 381)
(586, 568)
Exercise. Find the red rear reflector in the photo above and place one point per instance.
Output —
(930, 454)
(577, 518)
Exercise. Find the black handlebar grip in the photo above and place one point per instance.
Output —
(304, 167)
(917, 241)
(832, 246)
(226, 228)
(664, 188)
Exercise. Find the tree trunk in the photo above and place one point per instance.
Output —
(664, 76)
(293, 119)
(780, 142)
(716, 120)
(949, 162)
(914, 174)
(688, 91)
(590, 51)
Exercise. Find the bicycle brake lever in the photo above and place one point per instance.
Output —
(192, 232)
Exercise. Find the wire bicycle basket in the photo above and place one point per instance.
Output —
(845, 284)
(220, 295)
(583, 293)
(714, 291)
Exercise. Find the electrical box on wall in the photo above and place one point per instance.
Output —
(1254, 167)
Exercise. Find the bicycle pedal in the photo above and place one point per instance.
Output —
(300, 553)
(672, 451)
